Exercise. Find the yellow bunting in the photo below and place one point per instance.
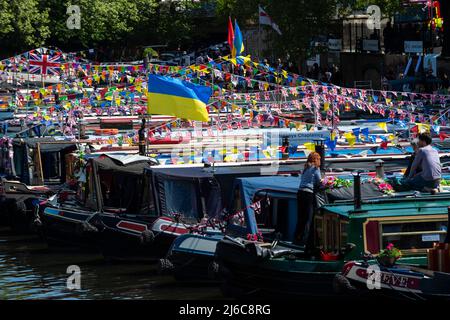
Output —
(351, 139)
(423, 128)
(326, 106)
(383, 125)
(310, 146)
(266, 153)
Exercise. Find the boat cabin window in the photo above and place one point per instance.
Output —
(19, 161)
(86, 190)
(331, 232)
(51, 167)
(125, 193)
(181, 197)
(51, 164)
(413, 236)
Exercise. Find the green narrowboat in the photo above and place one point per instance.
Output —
(343, 231)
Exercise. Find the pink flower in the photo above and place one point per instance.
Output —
(390, 246)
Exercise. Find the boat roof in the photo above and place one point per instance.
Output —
(46, 144)
(230, 170)
(131, 164)
(394, 207)
(287, 187)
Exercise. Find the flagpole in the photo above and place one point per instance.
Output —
(259, 40)
(28, 82)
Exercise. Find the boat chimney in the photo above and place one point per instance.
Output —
(320, 149)
(141, 134)
(82, 130)
(357, 197)
(379, 168)
(285, 145)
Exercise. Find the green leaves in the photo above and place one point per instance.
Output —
(27, 24)
(23, 23)
(298, 20)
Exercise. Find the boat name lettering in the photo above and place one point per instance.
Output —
(392, 279)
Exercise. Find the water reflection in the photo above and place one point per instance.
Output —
(31, 270)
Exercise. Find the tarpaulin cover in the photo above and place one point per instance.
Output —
(190, 192)
(287, 187)
(122, 181)
(106, 162)
(368, 190)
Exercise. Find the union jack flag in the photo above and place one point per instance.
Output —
(44, 63)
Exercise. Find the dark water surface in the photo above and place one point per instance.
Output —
(31, 270)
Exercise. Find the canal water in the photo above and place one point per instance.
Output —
(29, 269)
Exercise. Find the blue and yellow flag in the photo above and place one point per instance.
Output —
(174, 97)
(238, 45)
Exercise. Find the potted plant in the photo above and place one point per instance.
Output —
(332, 182)
(389, 256)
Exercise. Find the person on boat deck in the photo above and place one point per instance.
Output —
(426, 168)
(310, 181)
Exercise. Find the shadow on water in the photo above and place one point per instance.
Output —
(31, 270)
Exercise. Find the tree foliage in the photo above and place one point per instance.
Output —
(23, 23)
(388, 7)
(299, 21)
(26, 24)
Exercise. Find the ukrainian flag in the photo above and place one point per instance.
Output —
(174, 97)
(238, 45)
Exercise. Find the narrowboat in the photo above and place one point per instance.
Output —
(343, 231)
(179, 200)
(191, 257)
(35, 170)
(106, 183)
(397, 279)
(173, 200)
(407, 282)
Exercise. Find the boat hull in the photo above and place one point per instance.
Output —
(247, 276)
(396, 282)
(192, 257)
(68, 228)
(121, 239)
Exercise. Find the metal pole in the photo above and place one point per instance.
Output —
(357, 191)
(259, 41)
(142, 140)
